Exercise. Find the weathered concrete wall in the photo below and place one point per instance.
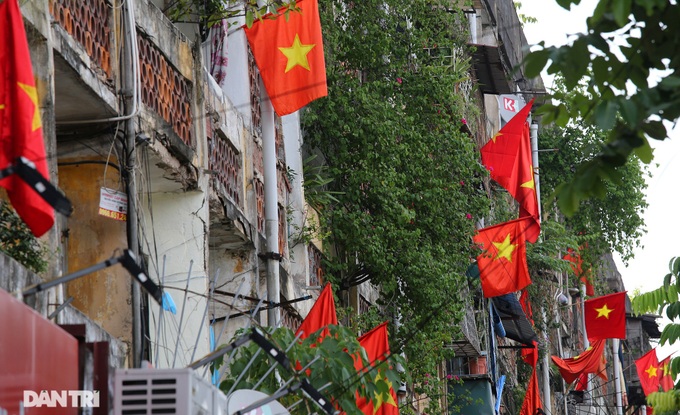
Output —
(104, 295)
(14, 278)
(180, 223)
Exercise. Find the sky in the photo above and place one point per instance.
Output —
(647, 269)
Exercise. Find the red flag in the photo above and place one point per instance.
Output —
(648, 372)
(20, 125)
(532, 399)
(289, 53)
(667, 382)
(320, 316)
(589, 361)
(377, 347)
(606, 316)
(582, 383)
(577, 266)
(503, 263)
(507, 156)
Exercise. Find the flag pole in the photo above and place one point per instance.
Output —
(547, 404)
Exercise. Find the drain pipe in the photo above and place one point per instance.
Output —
(129, 86)
(617, 376)
(547, 404)
(271, 210)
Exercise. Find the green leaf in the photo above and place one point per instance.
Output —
(676, 266)
(655, 129)
(250, 18)
(670, 83)
(644, 152)
(535, 62)
(621, 10)
(567, 200)
(629, 111)
(605, 114)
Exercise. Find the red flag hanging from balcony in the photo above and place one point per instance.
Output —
(582, 384)
(577, 266)
(648, 372)
(507, 156)
(377, 347)
(532, 399)
(589, 361)
(289, 53)
(503, 263)
(606, 316)
(320, 316)
(20, 125)
(666, 381)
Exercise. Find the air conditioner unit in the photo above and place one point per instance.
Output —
(166, 391)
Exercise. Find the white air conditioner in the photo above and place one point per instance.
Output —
(166, 391)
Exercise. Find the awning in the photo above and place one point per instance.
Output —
(517, 326)
(491, 74)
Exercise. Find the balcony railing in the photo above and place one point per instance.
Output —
(88, 22)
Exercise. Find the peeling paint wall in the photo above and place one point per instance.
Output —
(104, 295)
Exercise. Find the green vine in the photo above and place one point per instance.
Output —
(17, 241)
(407, 180)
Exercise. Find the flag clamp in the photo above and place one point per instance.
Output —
(26, 170)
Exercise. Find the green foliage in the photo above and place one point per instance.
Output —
(665, 403)
(208, 12)
(315, 182)
(629, 46)
(665, 298)
(17, 241)
(408, 181)
(332, 361)
(613, 221)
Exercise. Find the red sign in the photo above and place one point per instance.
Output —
(509, 104)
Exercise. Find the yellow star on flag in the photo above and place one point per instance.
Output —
(577, 356)
(505, 248)
(2, 106)
(33, 95)
(380, 400)
(651, 372)
(530, 184)
(665, 369)
(498, 134)
(297, 54)
(603, 311)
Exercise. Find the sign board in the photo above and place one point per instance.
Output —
(113, 204)
(509, 105)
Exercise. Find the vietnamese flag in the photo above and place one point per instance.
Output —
(320, 316)
(377, 348)
(667, 382)
(649, 372)
(590, 361)
(503, 264)
(507, 156)
(606, 316)
(582, 383)
(532, 399)
(288, 51)
(20, 125)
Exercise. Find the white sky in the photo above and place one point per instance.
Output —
(646, 271)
